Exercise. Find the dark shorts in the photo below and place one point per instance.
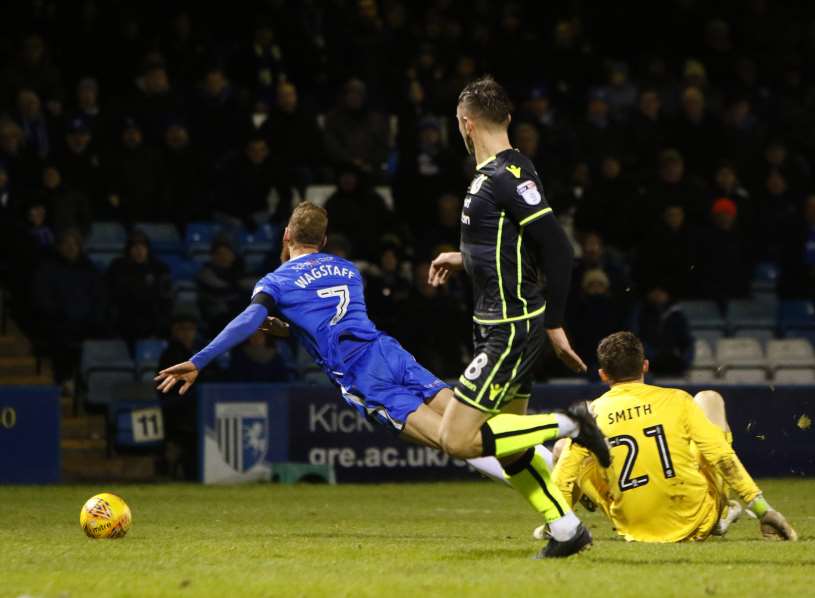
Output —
(501, 371)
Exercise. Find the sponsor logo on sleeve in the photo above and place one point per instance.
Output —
(528, 190)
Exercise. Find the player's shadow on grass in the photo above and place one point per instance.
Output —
(487, 553)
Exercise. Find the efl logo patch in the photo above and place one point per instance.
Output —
(529, 191)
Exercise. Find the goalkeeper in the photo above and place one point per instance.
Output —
(672, 462)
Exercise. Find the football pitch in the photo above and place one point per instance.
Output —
(447, 539)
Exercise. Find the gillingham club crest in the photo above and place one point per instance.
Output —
(242, 433)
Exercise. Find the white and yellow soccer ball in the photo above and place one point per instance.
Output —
(105, 516)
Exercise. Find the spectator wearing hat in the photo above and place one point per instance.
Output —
(722, 265)
(70, 303)
(592, 315)
(665, 333)
(80, 166)
(354, 134)
(185, 188)
(556, 143)
(424, 173)
(223, 284)
(139, 288)
(598, 135)
(135, 178)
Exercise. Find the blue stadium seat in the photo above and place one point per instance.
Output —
(796, 315)
(703, 315)
(164, 237)
(181, 267)
(748, 313)
(147, 353)
(198, 238)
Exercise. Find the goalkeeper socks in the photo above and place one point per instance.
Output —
(491, 468)
(507, 434)
(530, 477)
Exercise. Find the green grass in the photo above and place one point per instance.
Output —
(466, 539)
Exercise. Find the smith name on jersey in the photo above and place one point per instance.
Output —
(504, 197)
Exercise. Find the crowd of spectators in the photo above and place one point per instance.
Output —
(678, 155)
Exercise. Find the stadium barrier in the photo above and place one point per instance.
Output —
(245, 428)
(29, 435)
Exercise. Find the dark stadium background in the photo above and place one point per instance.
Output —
(150, 154)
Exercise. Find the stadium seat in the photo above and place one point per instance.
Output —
(740, 353)
(107, 237)
(319, 194)
(254, 262)
(711, 335)
(795, 376)
(796, 314)
(147, 353)
(164, 237)
(258, 244)
(105, 364)
(703, 354)
(790, 352)
(200, 233)
(765, 277)
(703, 315)
(745, 376)
(669, 381)
(749, 313)
(702, 376)
(181, 267)
(808, 334)
(762, 335)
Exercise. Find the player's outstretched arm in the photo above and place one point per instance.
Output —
(557, 259)
(441, 267)
(711, 442)
(237, 331)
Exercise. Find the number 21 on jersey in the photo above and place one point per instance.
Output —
(344, 294)
(658, 434)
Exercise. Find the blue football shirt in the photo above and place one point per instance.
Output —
(322, 297)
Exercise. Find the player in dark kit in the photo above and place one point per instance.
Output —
(508, 234)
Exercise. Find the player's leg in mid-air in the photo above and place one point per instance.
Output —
(488, 418)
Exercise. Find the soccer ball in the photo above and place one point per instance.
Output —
(105, 516)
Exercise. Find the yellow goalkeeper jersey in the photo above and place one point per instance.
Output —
(656, 488)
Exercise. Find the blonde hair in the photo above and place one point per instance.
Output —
(308, 224)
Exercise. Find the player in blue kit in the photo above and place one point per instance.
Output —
(321, 296)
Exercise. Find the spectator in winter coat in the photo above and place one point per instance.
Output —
(70, 302)
(140, 290)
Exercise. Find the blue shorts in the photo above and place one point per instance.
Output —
(386, 384)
